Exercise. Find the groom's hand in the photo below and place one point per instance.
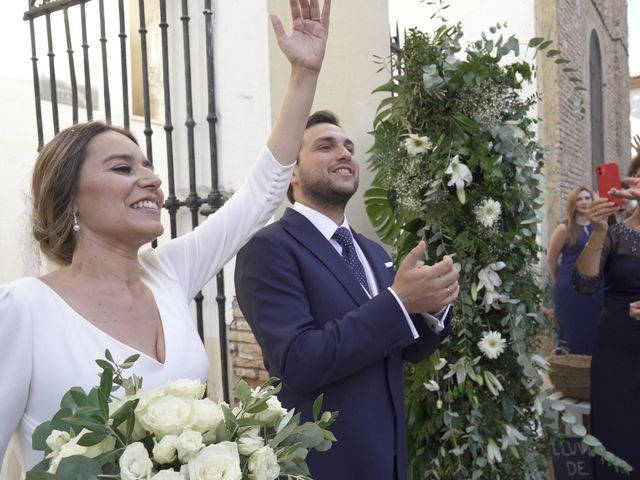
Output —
(427, 288)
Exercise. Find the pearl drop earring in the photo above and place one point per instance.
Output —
(76, 225)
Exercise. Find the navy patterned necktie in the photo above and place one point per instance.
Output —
(343, 236)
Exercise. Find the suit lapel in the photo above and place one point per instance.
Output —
(310, 238)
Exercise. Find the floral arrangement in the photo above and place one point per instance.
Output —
(457, 165)
(173, 433)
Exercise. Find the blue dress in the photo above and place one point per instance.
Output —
(576, 315)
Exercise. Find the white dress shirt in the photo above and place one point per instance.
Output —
(327, 228)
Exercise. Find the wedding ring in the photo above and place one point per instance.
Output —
(448, 290)
(316, 19)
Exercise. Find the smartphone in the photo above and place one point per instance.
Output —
(608, 176)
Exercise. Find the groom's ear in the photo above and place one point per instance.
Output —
(294, 179)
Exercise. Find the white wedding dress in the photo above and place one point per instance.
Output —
(46, 347)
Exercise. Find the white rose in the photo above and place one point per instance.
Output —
(263, 464)
(273, 413)
(167, 415)
(219, 461)
(207, 415)
(189, 444)
(250, 441)
(185, 388)
(146, 396)
(166, 449)
(169, 474)
(57, 439)
(72, 448)
(135, 463)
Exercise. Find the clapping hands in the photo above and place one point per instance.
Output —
(428, 288)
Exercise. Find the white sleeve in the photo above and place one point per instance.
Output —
(16, 345)
(198, 255)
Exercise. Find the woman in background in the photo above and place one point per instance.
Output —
(612, 257)
(576, 315)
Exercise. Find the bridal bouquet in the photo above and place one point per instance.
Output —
(173, 433)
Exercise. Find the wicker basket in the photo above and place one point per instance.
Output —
(571, 374)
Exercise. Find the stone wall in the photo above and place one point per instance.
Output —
(246, 356)
(568, 138)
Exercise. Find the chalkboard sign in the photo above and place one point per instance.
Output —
(571, 460)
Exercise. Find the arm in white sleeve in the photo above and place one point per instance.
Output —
(198, 256)
(16, 334)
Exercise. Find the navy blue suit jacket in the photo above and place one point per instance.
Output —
(320, 333)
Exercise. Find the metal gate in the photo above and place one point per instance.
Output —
(50, 15)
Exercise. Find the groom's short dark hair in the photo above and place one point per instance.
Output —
(321, 116)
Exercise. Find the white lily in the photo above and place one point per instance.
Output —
(460, 176)
(441, 363)
(432, 386)
(493, 452)
(492, 383)
(462, 369)
(490, 280)
(540, 361)
(512, 436)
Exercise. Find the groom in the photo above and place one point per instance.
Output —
(333, 317)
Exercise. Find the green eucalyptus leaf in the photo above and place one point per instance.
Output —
(108, 356)
(579, 430)
(78, 468)
(40, 435)
(243, 392)
(38, 475)
(132, 359)
(591, 441)
(92, 438)
(317, 406)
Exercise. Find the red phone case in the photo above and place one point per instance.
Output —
(608, 176)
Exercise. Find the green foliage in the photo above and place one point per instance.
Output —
(457, 165)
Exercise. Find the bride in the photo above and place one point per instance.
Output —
(96, 202)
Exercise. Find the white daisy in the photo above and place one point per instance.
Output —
(416, 144)
(460, 176)
(492, 344)
(488, 212)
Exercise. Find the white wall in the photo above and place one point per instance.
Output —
(18, 139)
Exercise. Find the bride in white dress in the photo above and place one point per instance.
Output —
(96, 203)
